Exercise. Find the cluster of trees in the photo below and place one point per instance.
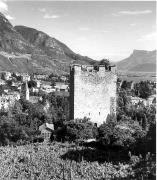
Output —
(142, 89)
(140, 120)
(21, 123)
(76, 130)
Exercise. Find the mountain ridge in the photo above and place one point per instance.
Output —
(46, 54)
(138, 61)
(27, 49)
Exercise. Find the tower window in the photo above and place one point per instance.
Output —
(99, 113)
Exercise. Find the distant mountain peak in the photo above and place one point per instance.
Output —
(139, 60)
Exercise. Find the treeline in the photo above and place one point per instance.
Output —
(142, 89)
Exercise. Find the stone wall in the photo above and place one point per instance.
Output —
(93, 93)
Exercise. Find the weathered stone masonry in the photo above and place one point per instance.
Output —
(92, 92)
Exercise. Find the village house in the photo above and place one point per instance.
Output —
(25, 77)
(147, 102)
(2, 82)
(17, 84)
(61, 87)
(63, 78)
(137, 100)
(151, 100)
(7, 75)
(47, 88)
(46, 130)
(38, 83)
(17, 73)
(35, 99)
(36, 90)
(40, 76)
(8, 100)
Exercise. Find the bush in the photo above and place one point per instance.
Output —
(77, 130)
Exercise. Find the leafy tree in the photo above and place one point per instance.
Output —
(106, 133)
(32, 83)
(9, 82)
(105, 62)
(123, 137)
(124, 85)
(1, 89)
(144, 90)
(76, 130)
(17, 108)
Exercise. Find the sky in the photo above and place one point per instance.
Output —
(97, 29)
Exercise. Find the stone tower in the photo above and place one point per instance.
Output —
(27, 92)
(92, 92)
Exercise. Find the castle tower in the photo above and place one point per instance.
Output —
(92, 92)
(27, 92)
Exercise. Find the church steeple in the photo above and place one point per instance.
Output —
(27, 92)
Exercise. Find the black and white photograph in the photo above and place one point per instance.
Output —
(77, 90)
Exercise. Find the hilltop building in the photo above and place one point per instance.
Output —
(92, 92)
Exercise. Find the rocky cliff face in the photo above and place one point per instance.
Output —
(10, 40)
(46, 54)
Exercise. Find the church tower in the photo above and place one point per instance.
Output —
(27, 92)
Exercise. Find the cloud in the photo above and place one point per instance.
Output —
(9, 17)
(104, 31)
(3, 6)
(42, 9)
(53, 16)
(131, 13)
(92, 30)
(81, 38)
(148, 37)
(84, 28)
(4, 10)
(114, 14)
(135, 12)
(132, 24)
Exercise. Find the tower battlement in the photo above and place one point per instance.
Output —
(91, 68)
(92, 92)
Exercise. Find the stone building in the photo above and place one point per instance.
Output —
(46, 130)
(92, 92)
